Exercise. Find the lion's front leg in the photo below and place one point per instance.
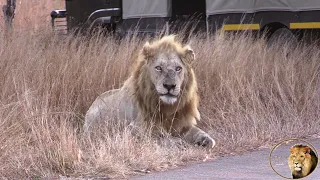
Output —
(198, 136)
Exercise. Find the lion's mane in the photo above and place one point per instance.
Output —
(141, 89)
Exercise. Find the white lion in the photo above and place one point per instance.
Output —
(161, 93)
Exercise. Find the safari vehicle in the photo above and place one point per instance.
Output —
(123, 16)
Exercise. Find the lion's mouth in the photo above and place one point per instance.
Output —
(168, 95)
(297, 168)
(168, 98)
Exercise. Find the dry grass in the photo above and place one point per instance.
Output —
(32, 14)
(251, 96)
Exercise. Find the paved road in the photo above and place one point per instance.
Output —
(236, 167)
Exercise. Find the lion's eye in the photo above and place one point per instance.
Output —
(158, 68)
(301, 156)
(178, 69)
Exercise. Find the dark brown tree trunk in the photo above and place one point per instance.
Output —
(8, 12)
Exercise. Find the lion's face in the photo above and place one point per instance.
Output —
(298, 158)
(167, 74)
(167, 64)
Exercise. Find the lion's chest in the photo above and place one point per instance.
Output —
(172, 123)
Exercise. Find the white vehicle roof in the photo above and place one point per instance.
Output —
(162, 8)
(146, 8)
(250, 6)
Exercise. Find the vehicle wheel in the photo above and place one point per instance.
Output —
(282, 36)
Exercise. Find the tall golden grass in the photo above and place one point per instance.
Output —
(251, 95)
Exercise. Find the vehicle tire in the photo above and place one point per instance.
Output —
(282, 36)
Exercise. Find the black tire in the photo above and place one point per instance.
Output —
(282, 36)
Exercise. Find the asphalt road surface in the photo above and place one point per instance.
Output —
(254, 165)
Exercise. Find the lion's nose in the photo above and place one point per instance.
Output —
(296, 163)
(169, 86)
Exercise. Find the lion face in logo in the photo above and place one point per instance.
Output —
(302, 161)
(297, 160)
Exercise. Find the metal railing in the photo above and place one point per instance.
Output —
(59, 21)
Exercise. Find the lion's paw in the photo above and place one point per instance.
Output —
(205, 140)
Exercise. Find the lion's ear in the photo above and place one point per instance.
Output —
(291, 150)
(147, 49)
(307, 150)
(189, 54)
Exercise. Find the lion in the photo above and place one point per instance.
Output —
(161, 93)
(302, 161)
